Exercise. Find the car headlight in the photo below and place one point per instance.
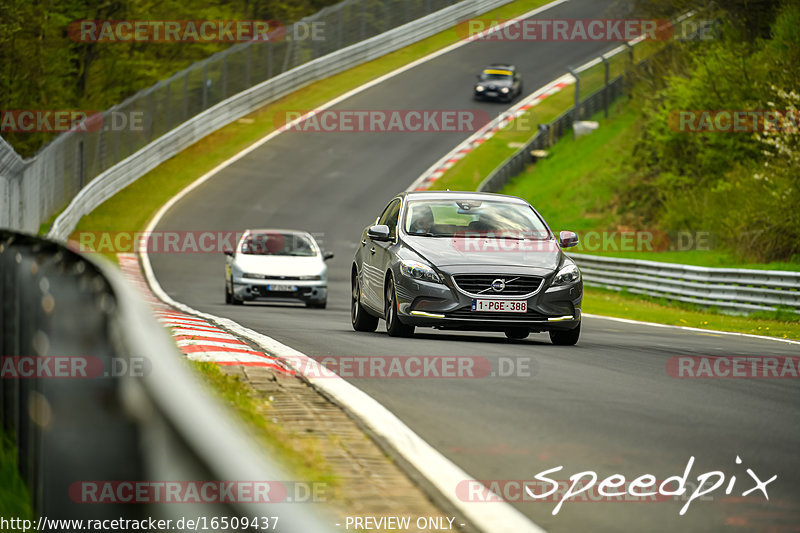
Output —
(504, 90)
(568, 274)
(310, 278)
(480, 88)
(250, 275)
(419, 271)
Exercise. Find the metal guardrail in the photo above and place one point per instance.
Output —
(83, 169)
(156, 424)
(730, 289)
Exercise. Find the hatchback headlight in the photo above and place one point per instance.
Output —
(504, 90)
(419, 271)
(250, 275)
(479, 88)
(568, 274)
(310, 278)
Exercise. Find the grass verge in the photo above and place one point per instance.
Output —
(634, 307)
(15, 501)
(574, 188)
(299, 456)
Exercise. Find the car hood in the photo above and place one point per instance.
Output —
(453, 252)
(280, 265)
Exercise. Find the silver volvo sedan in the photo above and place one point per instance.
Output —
(465, 261)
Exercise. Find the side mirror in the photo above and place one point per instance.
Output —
(327, 255)
(379, 232)
(567, 239)
(228, 252)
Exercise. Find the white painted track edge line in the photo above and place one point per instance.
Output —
(690, 328)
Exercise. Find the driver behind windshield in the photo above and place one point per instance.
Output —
(421, 220)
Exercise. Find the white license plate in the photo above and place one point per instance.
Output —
(282, 288)
(500, 306)
(491, 93)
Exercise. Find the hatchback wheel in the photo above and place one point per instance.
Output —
(361, 320)
(394, 327)
(566, 338)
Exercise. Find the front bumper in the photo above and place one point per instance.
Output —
(304, 291)
(446, 306)
(492, 95)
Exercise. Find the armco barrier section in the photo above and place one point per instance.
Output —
(731, 290)
(83, 169)
(150, 420)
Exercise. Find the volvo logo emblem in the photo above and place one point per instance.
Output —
(498, 285)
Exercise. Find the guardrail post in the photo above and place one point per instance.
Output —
(605, 87)
(631, 66)
(185, 96)
(224, 77)
(577, 109)
(169, 108)
(269, 59)
(247, 59)
(363, 19)
(205, 85)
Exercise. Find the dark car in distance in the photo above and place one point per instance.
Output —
(465, 261)
(498, 82)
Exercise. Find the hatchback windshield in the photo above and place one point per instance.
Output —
(453, 218)
(278, 243)
(495, 75)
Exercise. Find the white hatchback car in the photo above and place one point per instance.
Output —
(276, 264)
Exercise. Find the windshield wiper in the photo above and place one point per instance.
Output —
(429, 234)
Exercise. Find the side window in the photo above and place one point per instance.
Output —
(390, 216)
(385, 213)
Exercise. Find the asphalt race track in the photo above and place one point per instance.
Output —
(606, 405)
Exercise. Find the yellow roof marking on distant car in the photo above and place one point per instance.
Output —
(495, 71)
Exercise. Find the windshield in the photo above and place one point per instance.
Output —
(492, 74)
(468, 217)
(278, 243)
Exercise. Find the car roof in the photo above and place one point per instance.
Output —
(278, 230)
(447, 195)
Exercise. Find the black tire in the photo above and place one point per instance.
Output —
(566, 338)
(234, 299)
(394, 327)
(517, 334)
(361, 320)
(227, 294)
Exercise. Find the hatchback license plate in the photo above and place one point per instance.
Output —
(281, 288)
(500, 306)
